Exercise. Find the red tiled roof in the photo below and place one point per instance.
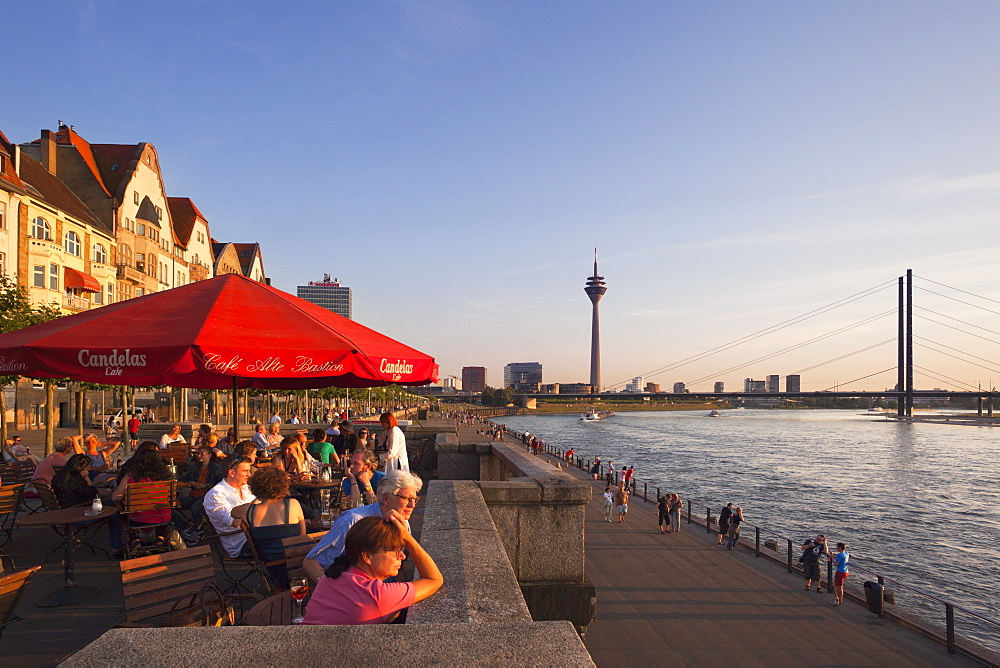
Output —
(108, 156)
(66, 135)
(183, 214)
(55, 193)
(246, 261)
(8, 173)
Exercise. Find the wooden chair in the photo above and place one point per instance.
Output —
(238, 573)
(84, 533)
(47, 496)
(153, 585)
(146, 496)
(175, 454)
(11, 588)
(20, 473)
(10, 497)
(296, 549)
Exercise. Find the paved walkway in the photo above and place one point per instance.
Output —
(680, 600)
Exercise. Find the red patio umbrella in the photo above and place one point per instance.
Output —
(228, 332)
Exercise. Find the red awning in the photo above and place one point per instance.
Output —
(78, 279)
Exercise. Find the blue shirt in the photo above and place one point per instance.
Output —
(376, 478)
(331, 545)
(842, 562)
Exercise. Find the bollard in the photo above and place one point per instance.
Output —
(658, 495)
(881, 581)
(708, 519)
(689, 511)
(645, 491)
(790, 567)
(756, 549)
(829, 576)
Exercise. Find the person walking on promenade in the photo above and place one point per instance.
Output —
(812, 550)
(663, 511)
(629, 472)
(621, 498)
(724, 516)
(595, 470)
(609, 503)
(735, 520)
(674, 506)
(843, 561)
(610, 476)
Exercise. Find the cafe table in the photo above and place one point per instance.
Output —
(68, 519)
(277, 610)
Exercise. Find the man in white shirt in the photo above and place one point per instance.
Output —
(220, 500)
(275, 418)
(173, 436)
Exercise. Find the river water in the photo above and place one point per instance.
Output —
(917, 502)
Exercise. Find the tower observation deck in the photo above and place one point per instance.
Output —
(595, 290)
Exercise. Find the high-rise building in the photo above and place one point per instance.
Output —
(522, 372)
(473, 379)
(774, 384)
(635, 385)
(329, 294)
(595, 290)
(793, 383)
(720, 387)
(652, 388)
(754, 386)
(680, 388)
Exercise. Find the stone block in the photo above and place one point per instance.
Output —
(550, 544)
(510, 491)
(575, 602)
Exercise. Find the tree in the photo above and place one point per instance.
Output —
(16, 312)
(497, 397)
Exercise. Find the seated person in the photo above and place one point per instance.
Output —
(347, 441)
(397, 491)
(224, 446)
(204, 473)
(100, 458)
(14, 451)
(220, 500)
(146, 465)
(353, 590)
(321, 449)
(292, 458)
(361, 478)
(172, 437)
(46, 468)
(72, 484)
(127, 464)
(247, 450)
(260, 439)
(272, 517)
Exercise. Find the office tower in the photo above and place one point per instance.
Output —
(473, 379)
(522, 372)
(774, 384)
(793, 383)
(720, 387)
(329, 294)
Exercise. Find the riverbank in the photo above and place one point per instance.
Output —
(621, 407)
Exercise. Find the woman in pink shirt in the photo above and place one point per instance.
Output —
(353, 590)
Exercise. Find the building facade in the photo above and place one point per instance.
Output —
(793, 383)
(754, 386)
(720, 387)
(329, 294)
(680, 388)
(774, 384)
(522, 373)
(635, 385)
(473, 379)
(652, 388)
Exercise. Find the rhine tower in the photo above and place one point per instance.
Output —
(595, 290)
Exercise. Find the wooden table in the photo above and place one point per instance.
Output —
(68, 518)
(278, 610)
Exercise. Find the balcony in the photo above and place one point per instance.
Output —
(75, 303)
(198, 272)
(127, 273)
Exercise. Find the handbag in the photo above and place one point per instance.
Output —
(208, 607)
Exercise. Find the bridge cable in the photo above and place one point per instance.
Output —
(796, 346)
(940, 376)
(924, 345)
(951, 287)
(768, 330)
(831, 388)
(956, 328)
(837, 359)
(988, 310)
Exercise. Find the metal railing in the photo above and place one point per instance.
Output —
(769, 549)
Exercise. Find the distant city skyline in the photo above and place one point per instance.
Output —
(738, 165)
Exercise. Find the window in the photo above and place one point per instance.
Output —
(124, 255)
(71, 243)
(141, 230)
(135, 197)
(114, 167)
(111, 292)
(140, 262)
(98, 297)
(53, 277)
(159, 213)
(147, 159)
(38, 279)
(139, 292)
(3, 216)
(3, 264)
(40, 229)
(152, 265)
(100, 254)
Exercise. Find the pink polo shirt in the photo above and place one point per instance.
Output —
(356, 598)
(46, 468)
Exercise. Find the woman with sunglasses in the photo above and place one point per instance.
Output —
(354, 590)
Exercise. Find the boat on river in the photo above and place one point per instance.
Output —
(714, 413)
(595, 416)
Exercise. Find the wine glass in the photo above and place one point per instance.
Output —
(300, 589)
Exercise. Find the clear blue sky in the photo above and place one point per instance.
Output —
(737, 164)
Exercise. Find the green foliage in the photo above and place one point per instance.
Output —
(497, 397)
(17, 312)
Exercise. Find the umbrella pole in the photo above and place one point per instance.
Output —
(235, 409)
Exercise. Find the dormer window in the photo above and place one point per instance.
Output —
(114, 167)
(159, 213)
(135, 197)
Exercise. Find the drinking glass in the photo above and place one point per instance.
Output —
(300, 589)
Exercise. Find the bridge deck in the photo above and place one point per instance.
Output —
(679, 599)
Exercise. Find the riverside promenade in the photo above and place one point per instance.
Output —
(680, 600)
